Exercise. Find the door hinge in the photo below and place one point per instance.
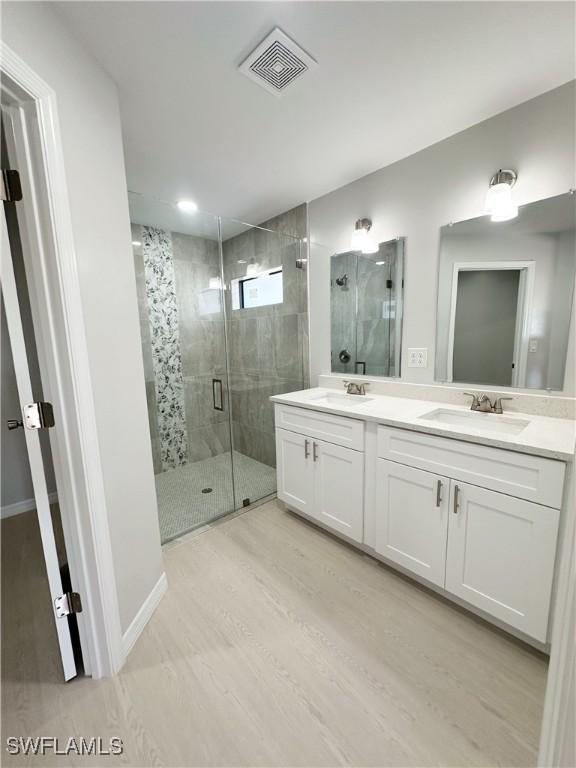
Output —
(10, 187)
(38, 416)
(69, 602)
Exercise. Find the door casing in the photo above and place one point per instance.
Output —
(51, 270)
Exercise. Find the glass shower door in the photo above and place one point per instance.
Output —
(265, 275)
(379, 293)
(180, 296)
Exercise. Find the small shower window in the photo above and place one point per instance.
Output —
(258, 290)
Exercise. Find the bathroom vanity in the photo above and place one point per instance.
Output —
(467, 503)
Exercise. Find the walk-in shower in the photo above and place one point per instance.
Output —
(223, 317)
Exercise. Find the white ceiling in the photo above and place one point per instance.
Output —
(392, 78)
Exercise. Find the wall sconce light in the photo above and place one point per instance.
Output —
(253, 268)
(187, 206)
(361, 239)
(499, 202)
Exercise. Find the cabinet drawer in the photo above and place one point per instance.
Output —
(323, 426)
(516, 474)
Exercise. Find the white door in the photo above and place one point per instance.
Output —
(501, 553)
(17, 344)
(412, 519)
(339, 485)
(295, 470)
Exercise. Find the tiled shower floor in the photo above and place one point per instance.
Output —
(181, 504)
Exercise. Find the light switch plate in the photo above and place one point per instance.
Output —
(418, 358)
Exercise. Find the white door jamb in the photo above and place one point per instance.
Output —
(51, 271)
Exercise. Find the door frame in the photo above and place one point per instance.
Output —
(524, 305)
(51, 270)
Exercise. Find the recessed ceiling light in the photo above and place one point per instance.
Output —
(187, 206)
(136, 243)
(379, 263)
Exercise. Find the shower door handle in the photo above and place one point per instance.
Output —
(217, 397)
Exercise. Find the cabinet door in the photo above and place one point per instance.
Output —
(295, 470)
(501, 553)
(339, 486)
(412, 519)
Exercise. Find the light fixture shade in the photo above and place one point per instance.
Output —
(358, 240)
(361, 238)
(253, 269)
(499, 200)
(187, 206)
(370, 246)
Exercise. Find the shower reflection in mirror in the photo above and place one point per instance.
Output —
(505, 295)
(366, 310)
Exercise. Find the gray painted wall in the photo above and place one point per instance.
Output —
(416, 196)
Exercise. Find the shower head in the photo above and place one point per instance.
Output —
(342, 281)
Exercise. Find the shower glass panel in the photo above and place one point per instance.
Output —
(366, 293)
(379, 281)
(180, 298)
(224, 325)
(267, 331)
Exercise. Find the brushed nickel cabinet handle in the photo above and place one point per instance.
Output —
(314, 451)
(456, 499)
(306, 448)
(438, 493)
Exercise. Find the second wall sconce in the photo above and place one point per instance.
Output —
(361, 238)
(499, 201)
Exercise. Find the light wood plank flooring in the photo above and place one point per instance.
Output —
(277, 645)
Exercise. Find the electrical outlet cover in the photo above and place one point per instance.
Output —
(418, 358)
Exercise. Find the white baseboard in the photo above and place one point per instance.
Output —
(27, 505)
(144, 615)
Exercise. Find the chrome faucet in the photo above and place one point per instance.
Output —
(354, 388)
(483, 403)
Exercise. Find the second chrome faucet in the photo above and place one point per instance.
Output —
(355, 388)
(485, 405)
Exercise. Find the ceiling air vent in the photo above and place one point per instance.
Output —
(277, 62)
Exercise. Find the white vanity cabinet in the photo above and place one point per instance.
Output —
(492, 549)
(476, 521)
(295, 471)
(412, 521)
(323, 479)
(501, 554)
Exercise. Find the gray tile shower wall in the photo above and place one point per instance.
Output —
(268, 346)
(196, 263)
(200, 329)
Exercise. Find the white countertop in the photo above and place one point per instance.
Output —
(543, 436)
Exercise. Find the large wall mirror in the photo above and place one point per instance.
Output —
(505, 297)
(366, 310)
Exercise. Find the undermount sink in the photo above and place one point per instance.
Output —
(332, 398)
(484, 422)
